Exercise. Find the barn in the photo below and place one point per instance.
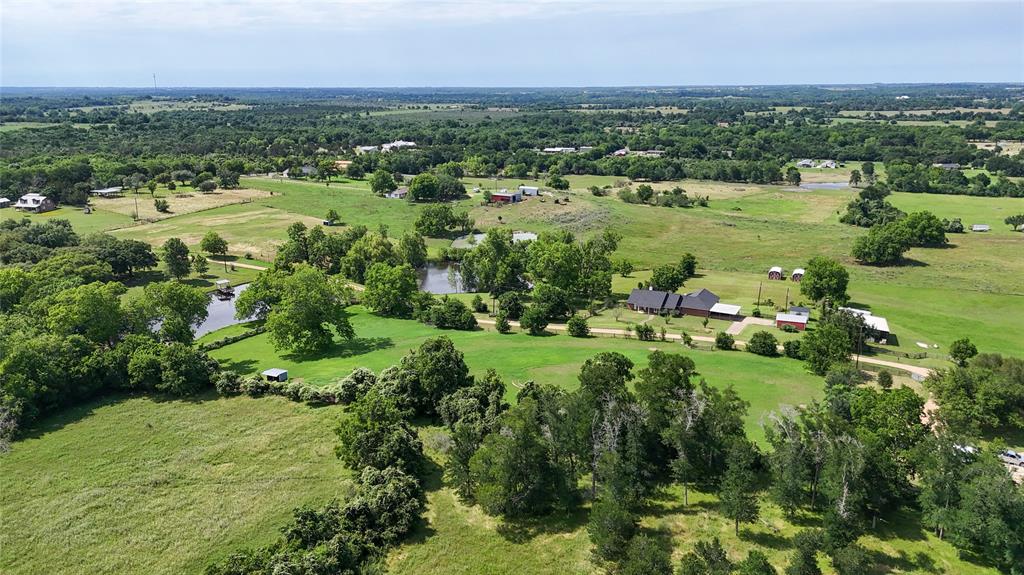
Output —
(797, 275)
(775, 273)
(529, 190)
(791, 319)
(507, 196)
(275, 374)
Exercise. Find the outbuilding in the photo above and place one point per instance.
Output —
(980, 227)
(529, 190)
(4, 203)
(507, 196)
(726, 311)
(775, 273)
(797, 275)
(276, 374)
(800, 310)
(399, 194)
(791, 319)
(877, 324)
(112, 192)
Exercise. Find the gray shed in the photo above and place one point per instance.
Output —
(276, 374)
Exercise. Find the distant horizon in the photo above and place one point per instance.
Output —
(507, 43)
(1016, 83)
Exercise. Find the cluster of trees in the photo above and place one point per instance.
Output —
(67, 334)
(920, 178)
(350, 252)
(440, 220)
(981, 394)
(645, 194)
(671, 277)
(892, 233)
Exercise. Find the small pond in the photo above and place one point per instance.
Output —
(220, 313)
(825, 186)
(437, 278)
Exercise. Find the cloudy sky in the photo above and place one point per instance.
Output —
(506, 42)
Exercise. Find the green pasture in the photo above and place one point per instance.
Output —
(143, 485)
(83, 223)
(766, 383)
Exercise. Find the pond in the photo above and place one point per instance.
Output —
(220, 313)
(434, 278)
(825, 186)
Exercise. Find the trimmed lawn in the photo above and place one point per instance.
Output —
(142, 485)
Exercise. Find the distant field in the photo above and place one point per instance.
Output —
(139, 485)
(862, 113)
(182, 200)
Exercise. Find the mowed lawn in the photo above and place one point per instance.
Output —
(766, 383)
(98, 221)
(139, 485)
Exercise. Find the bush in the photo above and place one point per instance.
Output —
(789, 329)
(161, 206)
(512, 304)
(255, 386)
(644, 332)
(792, 349)
(611, 527)
(535, 319)
(479, 305)
(501, 322)
(451, 314)
(884, 379)
(577, 327)
(228, 383)
(355, 385)
(725, 341)
(763, 343)
(646, 556)
(757, 312)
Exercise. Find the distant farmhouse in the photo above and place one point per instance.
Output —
(947, 166)
(558, 150)
(399, 193)
(805, 164)
(365, 149)
(397, 145)
(879, 325)
(34, 202)
(829, 164)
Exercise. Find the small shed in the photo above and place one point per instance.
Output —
(529, 190)
(805, 163)
(775, 273)
(276, 374)
(725, 311)
(5, 203)
(399, 194)
(791, 319)
(980, 227)
(112, 192)
(797, 275)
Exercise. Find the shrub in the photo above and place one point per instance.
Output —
(884, 379)
(355, 385)
(724, 341)
(501, 322)
(255, 386)
(763, 343)
(535, 319)
(611, 527)
(228, 383)
(792, 349)
(479, 305)
(451, 314)
(161, 205)
(644, 332)
(578, 327)
(512, 304)
(646, 556)
(757, 312)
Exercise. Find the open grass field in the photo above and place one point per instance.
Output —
(139, 485)
(249, 228)
(183, 200)
(766, 383)
(99, 220)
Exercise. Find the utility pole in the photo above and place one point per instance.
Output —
(758, 303)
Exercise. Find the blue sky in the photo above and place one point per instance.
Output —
(355, 43)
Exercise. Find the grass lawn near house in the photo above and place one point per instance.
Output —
(145, 485)
(766, 383)
(99, 220)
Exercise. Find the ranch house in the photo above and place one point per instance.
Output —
(34, 202)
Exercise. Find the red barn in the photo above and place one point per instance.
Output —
(791, 319)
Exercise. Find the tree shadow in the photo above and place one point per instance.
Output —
(346, 348)
(901, 524)
(764, 539)
(239, 366)
(526, 529)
